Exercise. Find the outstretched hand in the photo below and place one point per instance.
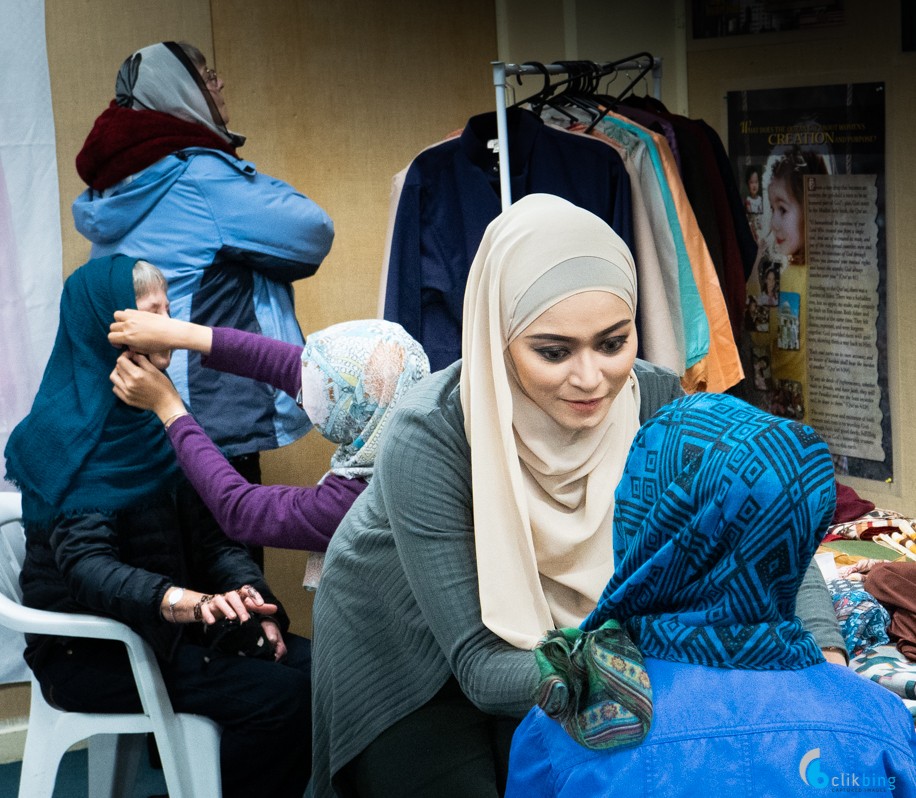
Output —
(139, 383)
(144, 332)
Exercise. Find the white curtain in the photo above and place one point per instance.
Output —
(30, 241)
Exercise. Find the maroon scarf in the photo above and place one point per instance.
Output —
(122, 142)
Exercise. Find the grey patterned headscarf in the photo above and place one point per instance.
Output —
(162, 78)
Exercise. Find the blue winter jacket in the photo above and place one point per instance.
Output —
(720, 733)
(230, 241)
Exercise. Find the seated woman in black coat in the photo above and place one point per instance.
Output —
(113, 529)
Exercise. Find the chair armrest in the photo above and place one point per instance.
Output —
(27, 619)
(143, 664)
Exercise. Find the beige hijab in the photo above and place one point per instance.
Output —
(543, 496)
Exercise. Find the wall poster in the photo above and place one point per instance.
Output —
(810, 162)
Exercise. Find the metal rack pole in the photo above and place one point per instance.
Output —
(502, 133)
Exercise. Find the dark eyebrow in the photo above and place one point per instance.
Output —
(606, 331)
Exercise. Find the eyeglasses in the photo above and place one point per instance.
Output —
(210, 76)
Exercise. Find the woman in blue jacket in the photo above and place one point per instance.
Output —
(719, 511)
(166, 184)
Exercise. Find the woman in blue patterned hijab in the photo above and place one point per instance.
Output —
(716, 517)
(719, 512)
(693, 676)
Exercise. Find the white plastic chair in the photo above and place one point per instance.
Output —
(188, 744)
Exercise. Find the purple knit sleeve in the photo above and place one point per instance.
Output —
(266, 515)
(258, 357)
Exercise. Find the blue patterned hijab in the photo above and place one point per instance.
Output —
(718, 514)
(81, 449)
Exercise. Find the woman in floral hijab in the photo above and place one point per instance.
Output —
(347, 378)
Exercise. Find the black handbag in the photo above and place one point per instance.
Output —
(241, 638)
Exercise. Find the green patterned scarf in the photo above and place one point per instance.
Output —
(595, 685)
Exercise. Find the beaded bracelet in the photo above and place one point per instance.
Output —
(198, 615)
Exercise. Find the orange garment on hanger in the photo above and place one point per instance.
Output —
(723, 364)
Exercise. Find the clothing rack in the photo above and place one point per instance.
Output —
(502, 70)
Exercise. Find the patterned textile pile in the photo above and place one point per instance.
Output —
(889, 668)
(863, 621)
(868, 526)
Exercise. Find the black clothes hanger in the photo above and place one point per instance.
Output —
(536, 100)
(580, 88)
(641, 73)
(549, 90)
(643, 70)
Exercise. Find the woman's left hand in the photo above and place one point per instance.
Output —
(274, 637)
(208, 608)
(139, 383)
(239, 604)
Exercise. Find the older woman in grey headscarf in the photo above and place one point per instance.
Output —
(166, 185)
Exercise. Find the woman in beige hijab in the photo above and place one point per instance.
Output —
(550, 418)
(488, 520)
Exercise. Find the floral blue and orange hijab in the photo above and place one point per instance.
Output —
(353, 375)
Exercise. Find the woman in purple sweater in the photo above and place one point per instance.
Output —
(347, 379)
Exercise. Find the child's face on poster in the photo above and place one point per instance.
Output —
(753, 184)
(787, 223)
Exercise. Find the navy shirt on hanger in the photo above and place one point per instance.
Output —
(451, 193)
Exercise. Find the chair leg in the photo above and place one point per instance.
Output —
(44, 748)
(40, 763)
(194, 765)
(114, 760)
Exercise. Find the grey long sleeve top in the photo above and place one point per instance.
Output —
(398, 611)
